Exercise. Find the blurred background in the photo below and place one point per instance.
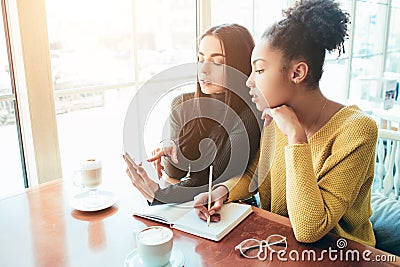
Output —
(69, 69)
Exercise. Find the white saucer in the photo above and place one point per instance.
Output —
(105, 200)
(133, 259)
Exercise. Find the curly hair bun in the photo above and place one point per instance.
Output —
(325, 22)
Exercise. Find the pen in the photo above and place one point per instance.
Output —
(209, 194)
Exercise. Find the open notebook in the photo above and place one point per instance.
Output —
(184, 218)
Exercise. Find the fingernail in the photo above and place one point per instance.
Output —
(211, 212)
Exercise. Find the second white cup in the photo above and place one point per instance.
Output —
(154, 245)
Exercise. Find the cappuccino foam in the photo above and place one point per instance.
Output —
(154, 236)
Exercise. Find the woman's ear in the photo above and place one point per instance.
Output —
(299, 72)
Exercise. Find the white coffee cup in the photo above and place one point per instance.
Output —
(154, 245)
(90, 173)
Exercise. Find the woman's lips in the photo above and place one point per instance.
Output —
(205, 82)
(254, 98)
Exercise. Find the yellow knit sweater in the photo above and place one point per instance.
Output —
(321, 186)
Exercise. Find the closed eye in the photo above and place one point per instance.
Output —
(259, 71)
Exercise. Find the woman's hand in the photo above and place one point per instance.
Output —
(218, 196)
(287, 122)
(169, 151)
(140, 179)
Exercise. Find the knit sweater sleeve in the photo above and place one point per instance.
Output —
(317, 201)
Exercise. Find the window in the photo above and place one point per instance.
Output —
(100, 57)
(101, 52)
(11, 177)
(255, 15)
(374, 49)
(393, 47)
(369, 27)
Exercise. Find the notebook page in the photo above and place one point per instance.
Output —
(231, 215)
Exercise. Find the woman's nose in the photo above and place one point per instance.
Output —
(204, 67)
(250, 81)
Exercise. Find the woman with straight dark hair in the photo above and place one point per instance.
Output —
(216, 125)
(320, 168)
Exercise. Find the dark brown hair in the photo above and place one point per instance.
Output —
(237, 44)
(309, 29)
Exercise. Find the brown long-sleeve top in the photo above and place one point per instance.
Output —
(231, 158)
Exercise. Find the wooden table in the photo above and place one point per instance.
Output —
(39, 228)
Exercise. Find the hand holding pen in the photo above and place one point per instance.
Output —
(200, 204)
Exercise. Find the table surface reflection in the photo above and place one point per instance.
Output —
(40, 228)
